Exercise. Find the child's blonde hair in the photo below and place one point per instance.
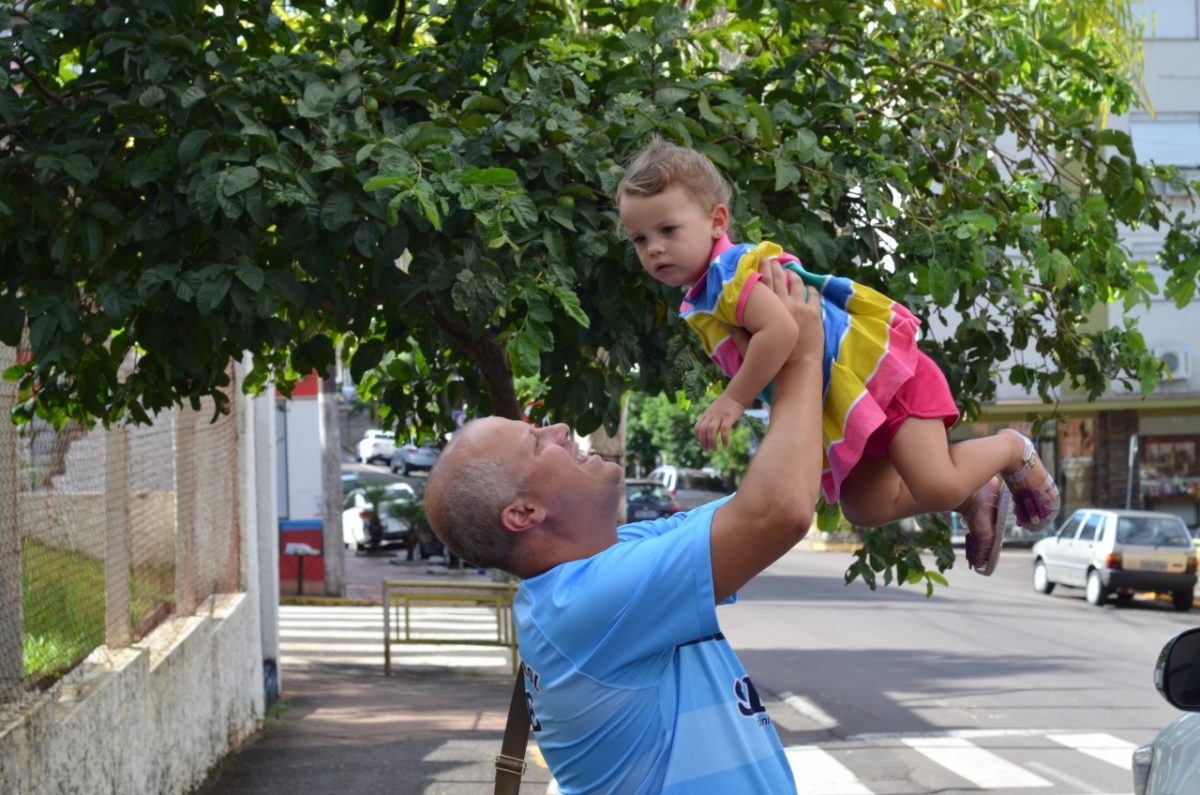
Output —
(660, 165)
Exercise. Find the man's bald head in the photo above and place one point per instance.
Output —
(471, 484)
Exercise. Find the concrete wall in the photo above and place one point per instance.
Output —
(152, 718)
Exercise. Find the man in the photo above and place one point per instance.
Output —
(632, 687)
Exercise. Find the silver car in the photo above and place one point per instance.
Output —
(1171, 764)
(411, 456)
(1113, 552)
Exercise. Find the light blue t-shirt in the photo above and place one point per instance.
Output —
(632, 688)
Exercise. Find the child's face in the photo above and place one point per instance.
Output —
(672, 233)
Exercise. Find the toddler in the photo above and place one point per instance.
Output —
(886, 406)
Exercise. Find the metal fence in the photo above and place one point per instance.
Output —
(105, 533)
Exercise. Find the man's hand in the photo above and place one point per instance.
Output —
(717, 421)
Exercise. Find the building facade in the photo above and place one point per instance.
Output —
(1124, 449)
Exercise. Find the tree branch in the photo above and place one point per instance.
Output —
(399, 26)
(41, 87)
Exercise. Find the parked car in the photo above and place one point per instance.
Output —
(410, 456)
(1118, 552)
(690, 487)
(1170, 765)
(647, 499)
(358, 510)
(376, 445)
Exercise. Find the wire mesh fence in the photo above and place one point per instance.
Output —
(104, 533)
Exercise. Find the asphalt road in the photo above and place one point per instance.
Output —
(872, 677)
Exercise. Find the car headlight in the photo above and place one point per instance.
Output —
(1142, 758)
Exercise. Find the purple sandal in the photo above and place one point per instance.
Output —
(1035, 494)
(984, 553)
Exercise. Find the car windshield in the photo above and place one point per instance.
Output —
(646, 491)
(701, 482)
(1152, 532)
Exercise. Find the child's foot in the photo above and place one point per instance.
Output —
(1035, 494)
(986, 518)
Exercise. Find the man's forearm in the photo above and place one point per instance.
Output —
(787, 465)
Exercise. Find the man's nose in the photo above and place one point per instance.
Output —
(560, 432)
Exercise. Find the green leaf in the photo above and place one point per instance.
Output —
(423, 134)
(10, 105)
(671, 96)
(318, 100)
(12, 320)
(190, 146)
(483, 103)
(337, 211)
(786, 174)
(766, 124)
(238, 179)
(385, 181)
(325, 162)
(191, 96)
(368, 355)
(151, 96)
(251, 275)
(570, 303)
(212, 293)
(504, 177)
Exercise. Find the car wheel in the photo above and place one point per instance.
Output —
(1097, 594)
(1041, 578)
(406, 469)
(1182, 600)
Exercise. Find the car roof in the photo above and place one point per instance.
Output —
(1127, 512)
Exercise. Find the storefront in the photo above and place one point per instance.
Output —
(1089, 447)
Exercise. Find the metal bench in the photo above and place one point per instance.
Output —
(400, 597)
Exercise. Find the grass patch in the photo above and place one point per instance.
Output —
(63, 600)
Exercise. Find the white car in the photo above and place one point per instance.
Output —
(1171, 764)
(1108, 551)
(357, 513)
(376, 445)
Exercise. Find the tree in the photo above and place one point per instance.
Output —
(427, 188)
(662, 426)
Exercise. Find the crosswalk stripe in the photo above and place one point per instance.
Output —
(982, 768)
(354, 636)
(1104, 747)
(817, 772)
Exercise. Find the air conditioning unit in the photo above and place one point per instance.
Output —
(1177, 361)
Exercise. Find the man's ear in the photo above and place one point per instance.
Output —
(521, 515)
(720, 221)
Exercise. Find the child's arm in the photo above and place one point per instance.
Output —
(773, 334)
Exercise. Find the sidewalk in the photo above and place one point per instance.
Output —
(343, 728)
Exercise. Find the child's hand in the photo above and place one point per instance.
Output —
(718, 420)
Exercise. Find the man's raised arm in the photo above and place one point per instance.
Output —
(774, 505)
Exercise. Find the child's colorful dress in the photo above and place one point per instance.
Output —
(874, 374)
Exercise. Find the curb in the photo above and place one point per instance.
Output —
(327, 601)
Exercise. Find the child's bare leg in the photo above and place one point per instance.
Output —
(944, 477)
(926, 473)
(873, 494)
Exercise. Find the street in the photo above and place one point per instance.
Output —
(987, 686)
